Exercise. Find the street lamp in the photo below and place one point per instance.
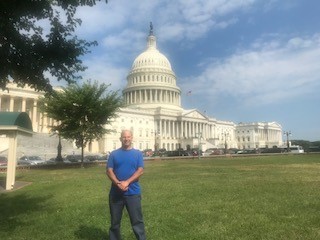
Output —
(225, 142)
(59, 156)
(59, 148)
(287, 134)
(199, 142)
(156, 134)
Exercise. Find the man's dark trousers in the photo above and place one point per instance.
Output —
(133, 206)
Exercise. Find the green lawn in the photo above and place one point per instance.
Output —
(261, 197)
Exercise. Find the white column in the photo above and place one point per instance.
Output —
(23, 106)
(145, 95)
(187, 129)
(11, 106)
(155, 95)
(44, 123)
(34, 116)
(166, 97)
(193, 129)
(174, 134)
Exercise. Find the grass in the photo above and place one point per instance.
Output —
(265, 197)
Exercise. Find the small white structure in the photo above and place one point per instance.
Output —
(12, 124)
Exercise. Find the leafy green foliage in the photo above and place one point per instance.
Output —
(307, 145)
(82, 111)
(29, 51)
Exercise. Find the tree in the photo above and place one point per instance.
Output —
(28, 54)
(81, 112)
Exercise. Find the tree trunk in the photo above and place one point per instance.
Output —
(82, 155)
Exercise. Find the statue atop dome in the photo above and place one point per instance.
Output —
(151, 29)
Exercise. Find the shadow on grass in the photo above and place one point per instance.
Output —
(12, 209)
(91, 232)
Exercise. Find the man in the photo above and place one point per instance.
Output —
(125, 166)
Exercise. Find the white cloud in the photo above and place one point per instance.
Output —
(127, 40)
(99, 69)
(275, 72)
(188, 19)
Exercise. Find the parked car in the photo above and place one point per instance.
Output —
(74, 158)
(177, 153)
(147, 153)
(93, 158)
(23, 162)
(194, 152)
(53, 161)
(33, 160)
(209, 151)
(248, 151)
(3, 161)
(162, 152)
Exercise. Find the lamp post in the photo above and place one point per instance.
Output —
(225, 142)
(156, 134)
(59, 156)
(287, 135)
(199, 143)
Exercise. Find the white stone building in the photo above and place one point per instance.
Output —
(157, 119)
(154, 113)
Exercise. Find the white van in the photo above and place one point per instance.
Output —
(296, 149)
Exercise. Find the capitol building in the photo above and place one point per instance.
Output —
(152, 111)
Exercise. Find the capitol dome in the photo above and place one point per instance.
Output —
(151, 58)
(151, 83)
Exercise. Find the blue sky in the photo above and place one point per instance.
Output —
(243, 60)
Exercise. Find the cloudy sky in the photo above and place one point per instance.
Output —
(242, 60)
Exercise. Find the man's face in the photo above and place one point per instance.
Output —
(126, 139)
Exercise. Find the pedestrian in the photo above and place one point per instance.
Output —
(124, 168)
